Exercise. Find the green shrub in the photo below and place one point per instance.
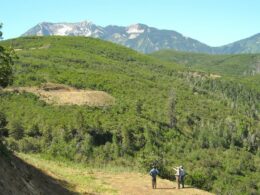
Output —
(29, 144)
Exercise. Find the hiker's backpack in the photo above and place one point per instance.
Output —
(153, 173)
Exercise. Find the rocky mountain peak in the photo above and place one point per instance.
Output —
(142, 37)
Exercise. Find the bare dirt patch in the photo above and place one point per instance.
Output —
(199, 74)
(214, 76)
(46, 46)
(58, 94)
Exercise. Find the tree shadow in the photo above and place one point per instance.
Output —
(160, 123)
(161, 188)
(164, 125)
(20, 177)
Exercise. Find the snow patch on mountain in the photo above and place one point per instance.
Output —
(137, 36)
(135, 29)
(117, 36)
(39, 33)
(63, 30)
(133, 36)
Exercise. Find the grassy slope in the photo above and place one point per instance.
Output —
(205, 111)
(79, 178)
(84, 179)
(19, 177)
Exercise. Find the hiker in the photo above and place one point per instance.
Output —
(154, 172)
(177, 176)
(182, 176)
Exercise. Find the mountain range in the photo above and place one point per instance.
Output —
(143, 38)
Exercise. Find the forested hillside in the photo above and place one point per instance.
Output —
(163, 114)
(234, 65)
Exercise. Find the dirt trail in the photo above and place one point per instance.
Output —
(92, 181)
(140, 184)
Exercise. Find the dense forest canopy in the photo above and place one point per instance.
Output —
(164, 114)
(231, 65)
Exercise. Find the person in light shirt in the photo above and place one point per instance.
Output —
(177, 176)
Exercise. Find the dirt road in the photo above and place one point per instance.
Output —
(140, 184)
(92, 181)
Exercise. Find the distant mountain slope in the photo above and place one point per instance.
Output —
(248, 45)
(84, 28)
(237, 65)
(138, 36)
(143, 38)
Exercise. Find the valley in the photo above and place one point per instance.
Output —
(162, 113)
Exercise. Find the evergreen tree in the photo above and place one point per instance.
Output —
(172, 109)
(126, 141)
(6, 62)
(6, 77)
(3, 123)
(116, 147)
(139, 107)
(16, 130)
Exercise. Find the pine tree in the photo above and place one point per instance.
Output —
(172, 109)
(139, 107)
(116, 147)
(3, 123)
(126, 141)
(6, 62)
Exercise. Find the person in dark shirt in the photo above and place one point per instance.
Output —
(154, 172)
(182, 175)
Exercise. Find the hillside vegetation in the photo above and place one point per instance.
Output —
(234, 65)
(164, 114)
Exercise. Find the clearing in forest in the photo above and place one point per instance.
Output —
(59, 94)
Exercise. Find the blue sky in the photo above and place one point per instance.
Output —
(214, 22)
